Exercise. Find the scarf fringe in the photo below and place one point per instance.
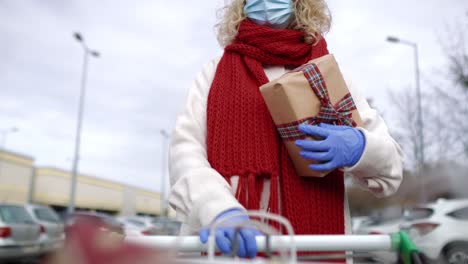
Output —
(249, 193)
(249, 190)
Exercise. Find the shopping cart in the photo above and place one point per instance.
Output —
(350, 245)
(397, 242)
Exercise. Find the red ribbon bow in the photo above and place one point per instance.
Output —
(338, 114)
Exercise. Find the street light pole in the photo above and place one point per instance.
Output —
(164, 139)
(420, 153)
(419, 96)
(420, 150)
(87, 52)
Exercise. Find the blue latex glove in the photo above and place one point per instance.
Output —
(341, 146)
(224, 236)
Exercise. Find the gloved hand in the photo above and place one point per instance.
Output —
(341, 146)
(224, 235)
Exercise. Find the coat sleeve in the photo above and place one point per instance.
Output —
(380, 169)
(198, 192)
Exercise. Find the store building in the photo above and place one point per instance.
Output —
(22, 182)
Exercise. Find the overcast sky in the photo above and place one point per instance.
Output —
(151, 51)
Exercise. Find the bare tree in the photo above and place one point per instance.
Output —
(452, 88)
(445, 106)
(406, 130)
(438, 141)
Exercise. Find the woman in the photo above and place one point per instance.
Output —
(226, 155)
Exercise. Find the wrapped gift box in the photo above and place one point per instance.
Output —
(313, 93)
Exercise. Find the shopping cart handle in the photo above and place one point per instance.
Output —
(324, 243)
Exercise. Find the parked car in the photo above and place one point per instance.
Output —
(440, 230)
(138, 225)
(145, 225)
(379, 227)
(382, 222)
(19, 234)
(106, 221)
(166, 226)
(360, 221)
(53, 235)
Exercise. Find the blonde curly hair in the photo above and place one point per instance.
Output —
(311, 16)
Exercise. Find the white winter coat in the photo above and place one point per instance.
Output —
(199, 192)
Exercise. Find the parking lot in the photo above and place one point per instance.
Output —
(29, 232)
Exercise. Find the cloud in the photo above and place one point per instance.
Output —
(150, 54)
(151, 51)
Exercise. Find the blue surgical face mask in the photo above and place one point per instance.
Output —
(275, 13)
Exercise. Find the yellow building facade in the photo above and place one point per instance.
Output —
(16, 172)
(22, 182)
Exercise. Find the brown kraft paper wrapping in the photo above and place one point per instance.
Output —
(290, 98)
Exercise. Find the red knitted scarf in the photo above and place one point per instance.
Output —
(242, 138)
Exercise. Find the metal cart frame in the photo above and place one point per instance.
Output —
(397, 242)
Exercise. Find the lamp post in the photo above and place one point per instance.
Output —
(93, 53)
(164, 139)
(420, 150)
(420, 154)
(3, 140)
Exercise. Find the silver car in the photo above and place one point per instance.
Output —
(166, 226)
(53, 235)
(138, 225)
(19, 234)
